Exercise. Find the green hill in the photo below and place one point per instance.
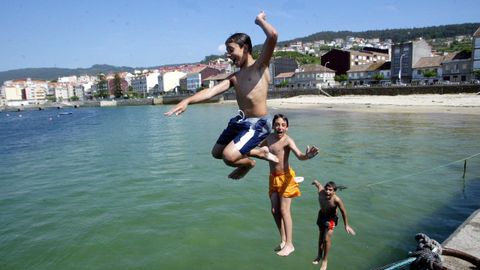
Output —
(54, 73)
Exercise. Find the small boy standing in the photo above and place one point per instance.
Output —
(327, 219)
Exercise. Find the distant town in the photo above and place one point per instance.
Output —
(350, 62)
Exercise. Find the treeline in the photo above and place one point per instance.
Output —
(396, 35)
(54, 73)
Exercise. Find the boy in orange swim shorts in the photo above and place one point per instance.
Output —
(282, 185)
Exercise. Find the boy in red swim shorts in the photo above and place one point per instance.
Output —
(327, 219)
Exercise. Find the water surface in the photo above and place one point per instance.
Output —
(127, 188)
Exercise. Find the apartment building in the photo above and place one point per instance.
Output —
(282, 65)
(405, 56)
(24, 92)
(191, 82)
(457, 67)
(169, 81)
(284, 79)
(145, 83)
(195, 79)
(313, 76)
(476, 54)
(343, 60)
(369, 73)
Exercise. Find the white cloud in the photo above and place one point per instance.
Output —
(221, 48)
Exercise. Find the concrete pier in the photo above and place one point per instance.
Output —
(466, 238)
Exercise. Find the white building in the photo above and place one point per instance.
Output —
(25, 92)
(64, 91)
(168, 81)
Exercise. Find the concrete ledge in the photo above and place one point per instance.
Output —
(465, 238)
(108, 103)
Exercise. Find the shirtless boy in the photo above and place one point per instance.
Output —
(327, 219)
(245, 131)
(282, 185)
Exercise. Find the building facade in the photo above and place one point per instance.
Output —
(476, 55)
(405, 56)
(343, 60)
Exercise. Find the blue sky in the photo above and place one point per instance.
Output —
(79, 34)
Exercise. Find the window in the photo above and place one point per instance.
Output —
(476, 64)
(476, 53)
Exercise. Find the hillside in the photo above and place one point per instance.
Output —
(397, 35)
(54, 73)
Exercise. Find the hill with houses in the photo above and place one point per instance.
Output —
(395, 35)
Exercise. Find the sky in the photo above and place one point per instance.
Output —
(144, 33)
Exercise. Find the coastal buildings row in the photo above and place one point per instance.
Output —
(410, 62)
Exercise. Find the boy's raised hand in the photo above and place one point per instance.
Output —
(311, 151)
(260, 17)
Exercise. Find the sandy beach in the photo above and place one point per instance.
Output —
(448, 103)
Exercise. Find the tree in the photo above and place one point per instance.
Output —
(301, 58)
(282, 84)
(74, 98)
(117, 86)
(102, 87)
(341, 78)
(476, 73)
(429, 73)
(378, 77)
(131, 93)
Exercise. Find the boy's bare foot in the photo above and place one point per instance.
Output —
(267, 155)
(317, 260)
(240, 172)
(280, 246)
(324, 265)
(286, 250)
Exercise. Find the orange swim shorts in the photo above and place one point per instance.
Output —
(284, 184)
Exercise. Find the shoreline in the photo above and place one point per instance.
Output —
(428, 103)
(462, 103)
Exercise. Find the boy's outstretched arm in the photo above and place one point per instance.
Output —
(311, 151)
(348, 229)
(200, 96)
(270, 42)
(318, 185)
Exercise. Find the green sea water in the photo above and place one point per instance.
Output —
(127, 188)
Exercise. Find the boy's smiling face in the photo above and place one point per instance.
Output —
(329, 192)
(236, 53)
(280, 126)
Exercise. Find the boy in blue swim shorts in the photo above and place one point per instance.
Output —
(239, 140)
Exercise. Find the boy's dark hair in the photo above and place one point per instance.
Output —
(334, 186)
(241, 39)
(276, 116)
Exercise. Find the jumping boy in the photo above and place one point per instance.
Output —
(327, 219)
(245, 131)
(282, 185)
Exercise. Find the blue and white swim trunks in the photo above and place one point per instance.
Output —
(246, 133)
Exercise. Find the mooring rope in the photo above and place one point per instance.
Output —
(421, 172)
